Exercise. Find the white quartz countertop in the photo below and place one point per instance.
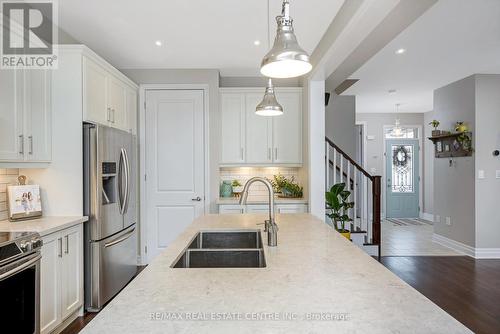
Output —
(313, 272)
(43, 225)
(277, 200)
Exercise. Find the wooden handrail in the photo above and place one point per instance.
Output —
(346, 156)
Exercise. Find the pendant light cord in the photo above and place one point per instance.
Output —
(268, 26)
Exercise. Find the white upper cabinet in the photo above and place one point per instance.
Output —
(287, 130)
(95, 105)
(25, 116)
(258, 132)
(11, 115)
(250, 139)
(233, 127)
(109, 98)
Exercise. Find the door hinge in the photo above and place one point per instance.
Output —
(144, 105)
(145, 177)
(145, 249)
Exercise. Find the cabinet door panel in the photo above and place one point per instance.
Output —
(38, 115)
(95, 103)
(11, 115)
(233, 123)
(71, 271)
(117, 102)
(50, 315)
(287, 129)
(131, 110)
(258, 128)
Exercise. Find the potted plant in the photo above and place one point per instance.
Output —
(337, 202)
(286, 187)
(461, 127)
(237, 187)
(435, 123)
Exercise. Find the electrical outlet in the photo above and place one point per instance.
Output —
(437, 218)
(497, 174)
(448, 221)
(481, 174)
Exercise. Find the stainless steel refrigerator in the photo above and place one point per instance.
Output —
(110, 202)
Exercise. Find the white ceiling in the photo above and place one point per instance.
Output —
(216, 34)
(452, 40)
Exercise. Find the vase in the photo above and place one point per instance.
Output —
(226, 189)
(436, 133)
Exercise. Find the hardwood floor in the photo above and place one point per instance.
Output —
(77, 325)
(468, 289)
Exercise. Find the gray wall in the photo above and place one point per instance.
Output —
(428, 174)
(454, 185)
(192, 76)
(375, 148)
(340, 122)
(487, 140)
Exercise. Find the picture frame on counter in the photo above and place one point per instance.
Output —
(24, 202)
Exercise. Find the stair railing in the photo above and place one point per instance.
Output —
(365, 191)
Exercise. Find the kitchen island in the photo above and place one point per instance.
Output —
(315, 281)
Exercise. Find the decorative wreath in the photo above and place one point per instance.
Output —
(400, 156)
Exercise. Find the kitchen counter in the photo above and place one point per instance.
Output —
(277, 200)
(313, 273)
(43, 225)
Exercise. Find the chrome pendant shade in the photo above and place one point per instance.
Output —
(269, 106)
(286, 59)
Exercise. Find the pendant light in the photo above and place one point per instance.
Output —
(269, 106)
(397, 130)
(286, 59)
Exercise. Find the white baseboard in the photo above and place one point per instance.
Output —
(427, 216)
(477, 253)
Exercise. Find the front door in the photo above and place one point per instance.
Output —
(402, 188)
(174, 164)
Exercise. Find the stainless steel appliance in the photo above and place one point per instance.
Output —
(110, 177)
(20, 282)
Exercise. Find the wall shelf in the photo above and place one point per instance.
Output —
(449, 146)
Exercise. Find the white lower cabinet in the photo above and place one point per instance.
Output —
(261, 208)
(61, 277)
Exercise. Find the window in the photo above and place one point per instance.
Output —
(407, 133)
(402, 168)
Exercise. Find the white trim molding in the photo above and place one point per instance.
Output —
(477, 253)
(427, 216)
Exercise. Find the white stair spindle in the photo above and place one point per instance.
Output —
(334, 166)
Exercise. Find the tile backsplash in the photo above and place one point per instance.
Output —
(7, 177)
(258, 191)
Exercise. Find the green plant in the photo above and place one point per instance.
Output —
(337, 202)
(435, 123)
(287, 187)
(236, 183)
(466, 141)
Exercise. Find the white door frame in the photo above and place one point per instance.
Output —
(420, 165)
(143, 258)
(364, 125)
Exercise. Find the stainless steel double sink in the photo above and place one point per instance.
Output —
(223, 249)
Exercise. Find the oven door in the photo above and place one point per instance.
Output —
(20, 295)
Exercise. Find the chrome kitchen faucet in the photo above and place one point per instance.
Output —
(270, 225)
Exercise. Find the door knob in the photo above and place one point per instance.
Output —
(197, 199)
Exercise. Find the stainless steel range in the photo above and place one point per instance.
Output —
(20, 282)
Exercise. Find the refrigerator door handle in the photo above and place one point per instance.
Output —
(127, 182)
(121, 239)
(121, 174)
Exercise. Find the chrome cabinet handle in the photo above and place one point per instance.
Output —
(21, 141)
(117, 241)
(66, 251)
(242, 153)
(275, 153)
(60, 246)
(31, 144)
(197, 199)
(113, 113)
(108, 116)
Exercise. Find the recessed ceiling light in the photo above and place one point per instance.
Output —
(400, 51)
(391, 91)
(158, 43)
(256, 42)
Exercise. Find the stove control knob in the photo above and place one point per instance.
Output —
(36, 243)
(25, 246)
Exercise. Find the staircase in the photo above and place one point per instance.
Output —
(365, 193)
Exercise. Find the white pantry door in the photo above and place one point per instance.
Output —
(174, 164)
